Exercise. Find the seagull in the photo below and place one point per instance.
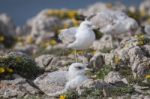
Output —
(113, 22)
(80, 38)
(63, 81)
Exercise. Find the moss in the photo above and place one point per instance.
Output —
(100, 74)
(71, 95)
(21, 64)
(118, 91)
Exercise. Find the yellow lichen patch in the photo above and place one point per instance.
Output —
(9, 70)
(117, 60)
(62, 97)
(2, 38)
(2, 70)
(147, 76)
(143, 13)
(141, 39)
(29, 39)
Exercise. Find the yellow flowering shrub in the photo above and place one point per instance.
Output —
(2, 70)
(147, 76)
(62, 97)
(2, 38)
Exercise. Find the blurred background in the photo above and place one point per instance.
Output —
(21, 10)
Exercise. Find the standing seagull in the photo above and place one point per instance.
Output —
(80, 38)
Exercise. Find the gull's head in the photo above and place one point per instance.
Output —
(131, 25)
(86, 24)
(77, 69)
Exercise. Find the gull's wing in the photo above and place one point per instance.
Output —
(68, 35)
(51, 83)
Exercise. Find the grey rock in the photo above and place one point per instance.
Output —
(100, 6)
(144, 7)
(114, 78)
(113, 22)
(131, 54)
(28, 49)
(7, 27)
(97, 61)
(51, 62)
(16, 88)
(106, 42)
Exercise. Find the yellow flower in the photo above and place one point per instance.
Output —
(72, 14)
(147, 76)
(75, 22)
(2, 70)
(62, 97)
(52, 42)
(109, 5)
(2, 38)
(9, 70)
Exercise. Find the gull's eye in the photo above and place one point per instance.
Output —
(79, 67)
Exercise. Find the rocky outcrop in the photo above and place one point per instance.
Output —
(7, 30)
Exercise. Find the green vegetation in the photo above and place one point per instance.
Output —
(21, 64)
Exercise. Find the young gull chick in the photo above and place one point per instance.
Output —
(59, 82)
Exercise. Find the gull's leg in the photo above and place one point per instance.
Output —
(84, 56)
(75, 51)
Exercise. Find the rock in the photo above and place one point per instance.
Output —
(51, 62)
(21, 64)
(145, 8)
(100, 6)
(44, 60)
(114, 78)
(7, 26)
(42, 23)
(141, 89)
(114, 23)
(28, 49)
(16, 88)
(104, 44)
(97, 61)
(132, 53)
(7, 30)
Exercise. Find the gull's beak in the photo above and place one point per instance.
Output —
(88, 69)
